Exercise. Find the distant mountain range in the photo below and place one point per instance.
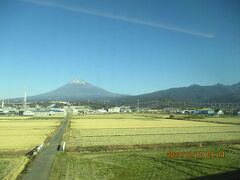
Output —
(195, 94)
(78, 90)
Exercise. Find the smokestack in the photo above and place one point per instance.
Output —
(3, 103)
(25, 100)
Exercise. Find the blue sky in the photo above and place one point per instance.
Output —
(127, 46)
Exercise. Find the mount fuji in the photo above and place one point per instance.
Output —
(76, 90)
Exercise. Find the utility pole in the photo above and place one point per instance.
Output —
(25, 100)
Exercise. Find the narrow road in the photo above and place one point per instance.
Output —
(41, 166)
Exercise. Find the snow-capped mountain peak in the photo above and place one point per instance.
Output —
(77, 81)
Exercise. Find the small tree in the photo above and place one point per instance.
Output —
(171, 116)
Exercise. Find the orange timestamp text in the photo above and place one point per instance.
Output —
(196, 154)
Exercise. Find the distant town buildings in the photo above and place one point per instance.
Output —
(114, 110)
(28, 113)
(121, 109)
(101, 111)
(61, 108)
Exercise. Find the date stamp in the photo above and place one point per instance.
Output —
(195, 154)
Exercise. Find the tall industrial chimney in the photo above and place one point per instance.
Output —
(25, 100)
(3, 103)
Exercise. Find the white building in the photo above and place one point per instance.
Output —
(114, 110)
(41, 113)
(49, 112)
(73, 110)
(28, 113)
(125, 109)
(84, 109)
(101, 111)
(57, 112)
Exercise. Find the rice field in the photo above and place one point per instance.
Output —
(227, 120)
(128, 146)
(11, 166)
(24, 134)
(130, 129)
(145, 164)
(19, 135)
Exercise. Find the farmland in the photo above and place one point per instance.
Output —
(145, 164)
(19, 135)
(11, 166)
(24, 134)
(135, 146)
(223, 120)
(131, 130)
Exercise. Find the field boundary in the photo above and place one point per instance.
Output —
(160, 134)
(196, 119)
(217, 122)
(111, 148)
(19, 152)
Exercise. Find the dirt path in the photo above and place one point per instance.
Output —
(41, 166)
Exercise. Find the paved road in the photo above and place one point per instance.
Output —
(41, 166)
